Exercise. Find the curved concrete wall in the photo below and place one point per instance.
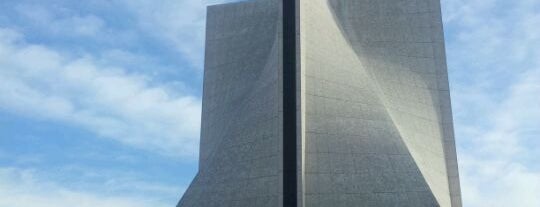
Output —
(377, 104)
(374, 122)
(240, 156)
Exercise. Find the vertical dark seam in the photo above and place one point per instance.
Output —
(289, 105)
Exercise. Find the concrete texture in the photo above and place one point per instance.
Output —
(240, 155)
(374, 121)
(377, 104)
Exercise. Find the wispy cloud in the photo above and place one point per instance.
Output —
(180, 23)
(22, 188)
(64, 25)
(495, 74)
(40, 82)
(500, 162)
(117, 70)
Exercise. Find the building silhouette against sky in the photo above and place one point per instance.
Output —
(326, 103)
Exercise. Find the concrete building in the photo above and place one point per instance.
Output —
(326, 103)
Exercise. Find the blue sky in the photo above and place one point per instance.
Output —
(100, 100)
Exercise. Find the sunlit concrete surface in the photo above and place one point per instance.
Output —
(375, 121)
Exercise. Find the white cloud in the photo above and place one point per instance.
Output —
(85, 25)
(43, 83)
(66, 25)
(493, 59)
(180, 23)
(22, 188)
(499, 163)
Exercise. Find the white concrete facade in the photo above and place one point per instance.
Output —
(240, 154)
(374, 120)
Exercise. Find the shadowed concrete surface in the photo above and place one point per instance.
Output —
(374, 117)
(377, 110)
(240, 155)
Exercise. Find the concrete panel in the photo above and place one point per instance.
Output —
(240, 156)
(373, 114)
(374, 91)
